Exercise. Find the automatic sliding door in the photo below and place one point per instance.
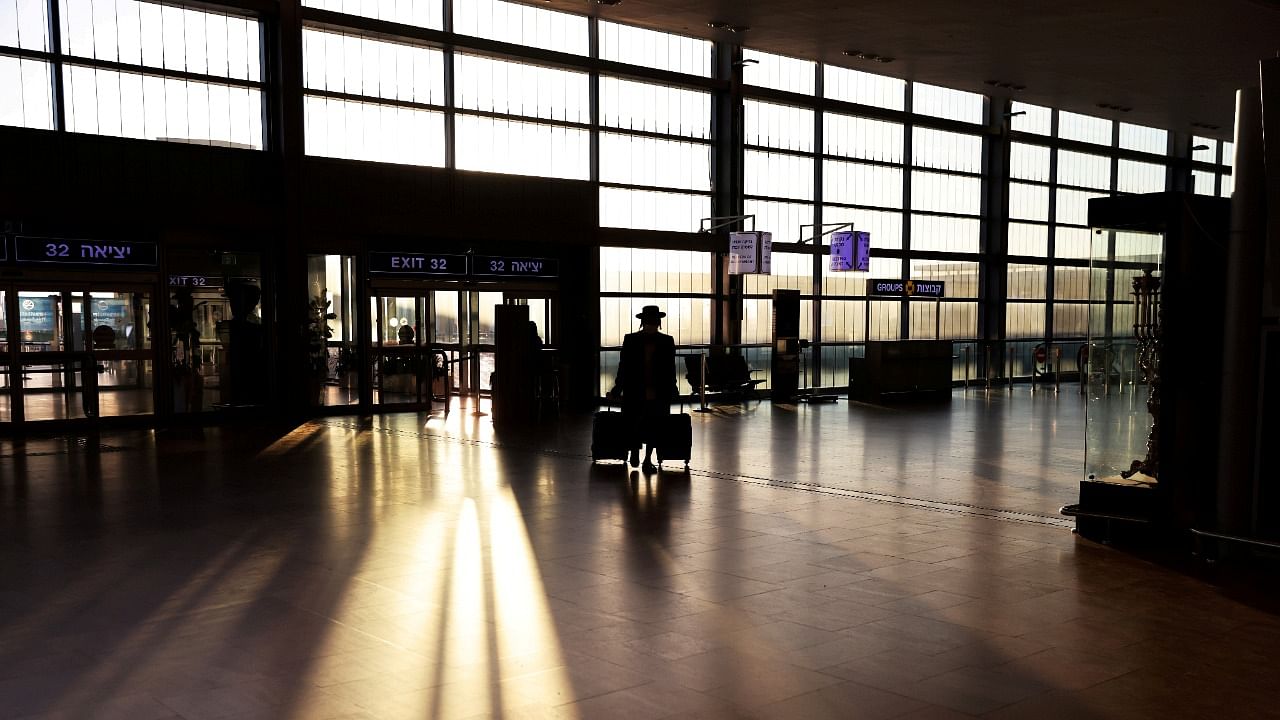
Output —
(52, 370)
(121, 346)
(401, 366)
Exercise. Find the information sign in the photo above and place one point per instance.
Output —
(908, 288)
(63, 251)
(750, 253)
(851, 251)
(505, 266)
(195, 281)
(35, 319)
(387, 263)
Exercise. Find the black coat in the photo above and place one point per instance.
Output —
(633, 379)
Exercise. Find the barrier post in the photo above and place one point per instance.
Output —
(986, 367)
(1009, 352)
(966, 367)
(1057, 369)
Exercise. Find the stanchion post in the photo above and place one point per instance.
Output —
(1008, 351)
(1057, 369)
(986, 367)
(966, 367)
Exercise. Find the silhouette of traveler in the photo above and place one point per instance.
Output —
(646, 383)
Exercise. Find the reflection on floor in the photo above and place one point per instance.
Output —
(427, 567)
(112, 402)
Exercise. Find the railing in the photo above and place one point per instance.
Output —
(985, 364)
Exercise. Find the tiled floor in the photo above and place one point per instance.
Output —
(828, 561)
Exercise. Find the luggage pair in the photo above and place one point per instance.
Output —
(611, 437)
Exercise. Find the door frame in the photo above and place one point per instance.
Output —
(88, 358)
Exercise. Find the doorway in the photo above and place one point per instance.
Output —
(75, 352)
(428, 344)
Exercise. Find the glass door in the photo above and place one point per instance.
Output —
(400, 357)
(6, 361)
(76, 354)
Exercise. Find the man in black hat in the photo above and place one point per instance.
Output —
(646, 382)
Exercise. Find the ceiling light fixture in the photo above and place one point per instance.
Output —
(1206, 126)
(873, 57)
(1113, 106)
(717, 25)
(1016, 87)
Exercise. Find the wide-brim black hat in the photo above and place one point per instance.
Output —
(650, 312)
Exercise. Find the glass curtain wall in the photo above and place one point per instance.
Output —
(133, 69)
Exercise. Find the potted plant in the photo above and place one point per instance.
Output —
(318, 333)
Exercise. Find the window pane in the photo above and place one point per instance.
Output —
(514, 88)
(1227, 186)
(757, 319)
(1071, 243)
(1208, 153)
(944, 150)
(163, 36)
(778, 175)
(785, 220)
(107, 102)
(1140, 177)
(641, 270)
(1084, 128)
(864, 88)
(368, 131)
(357, 65)
(1070, 283)
(1073, 206)
(1028, 202)
(1029, 162)
(642, 160)
(1203, 182)
(630, 105)
(862, 138)
(854, 284)
(1024, 320)
(945, 234)
(522, 148)
(961, 277)
(946, 103)
(1027, 239)
(778, 126)
(885, 227)
(27, 89)
(1034, 118)
(419, 13)
(652, 210)
(1084, 170)
(946, 193)
(1144, 139)
(688, 320)
(650, 48)
(24, 24)
(778, 72)
(521, 24)
(858, 184)
(789, 271)
(1070, 321)
(1027, 282)
(943, 321)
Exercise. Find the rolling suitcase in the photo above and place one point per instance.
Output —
(608, 436)
(676, 439)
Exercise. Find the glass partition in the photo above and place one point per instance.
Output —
(1122, 358)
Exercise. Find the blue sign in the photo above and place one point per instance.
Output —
(62, 251)
(908, 288)
(851, 251)
(35, 318)
(503, 266)
(386, 263)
